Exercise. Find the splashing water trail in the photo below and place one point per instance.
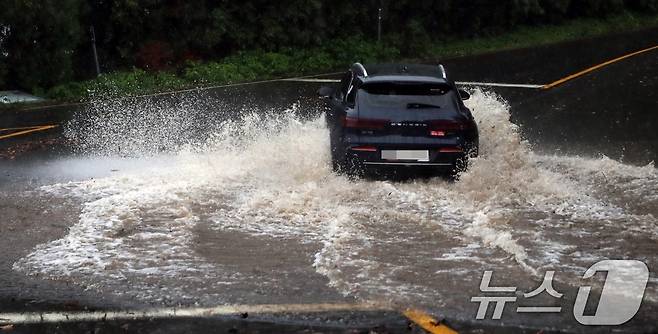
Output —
(266, 175)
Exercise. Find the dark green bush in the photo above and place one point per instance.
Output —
(47, 41)
(71, 91)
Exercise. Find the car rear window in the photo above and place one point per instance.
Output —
(406, 88)
(390, 95)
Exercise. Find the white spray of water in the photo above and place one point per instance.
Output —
(269, 175)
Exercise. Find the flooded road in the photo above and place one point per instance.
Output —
(217, 200)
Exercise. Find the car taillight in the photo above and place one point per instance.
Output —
(450, 150)
(364, 148)
(364, 123)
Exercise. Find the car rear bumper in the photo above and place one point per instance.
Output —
(413, 164)
(437, 159)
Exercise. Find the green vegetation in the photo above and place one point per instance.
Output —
(241, 67)
(153, 45)
(526, 36)
(256, 65)
(36, 40)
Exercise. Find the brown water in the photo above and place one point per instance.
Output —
(254, 214)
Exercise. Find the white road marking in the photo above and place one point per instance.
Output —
(310, 80)
(187, 90)
(463, 83)
(172, 312)
(496, 84)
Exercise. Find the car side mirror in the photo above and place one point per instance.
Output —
(464, 95)
(325, 91)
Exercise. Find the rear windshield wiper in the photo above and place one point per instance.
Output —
(421, 106)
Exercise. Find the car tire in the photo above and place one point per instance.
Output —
(460, 166)
(341, 161)
(344, 163)
(337, 163)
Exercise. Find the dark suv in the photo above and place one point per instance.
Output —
(399, 116)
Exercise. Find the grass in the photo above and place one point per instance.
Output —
(257, 65)
(525, 36)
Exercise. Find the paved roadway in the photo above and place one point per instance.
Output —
(609, 112)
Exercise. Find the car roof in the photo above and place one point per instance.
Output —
(403, 78)
(400, 72)
(403, 69)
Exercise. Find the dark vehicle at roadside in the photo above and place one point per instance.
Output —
(399, 117)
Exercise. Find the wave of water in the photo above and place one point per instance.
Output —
(268, 175)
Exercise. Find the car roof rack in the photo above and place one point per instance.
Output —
(358, 69)
(443, 71)
(375, 70)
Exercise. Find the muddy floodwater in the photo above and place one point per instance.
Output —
(252, 213)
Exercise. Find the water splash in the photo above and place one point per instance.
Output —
(267, 174)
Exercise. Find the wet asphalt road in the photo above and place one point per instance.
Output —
(611, 112)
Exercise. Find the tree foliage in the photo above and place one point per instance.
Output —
(39, 40)
(46, 42)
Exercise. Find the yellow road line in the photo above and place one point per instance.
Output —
(428, 323)
(29, 130)
(20, 128)
(595, 67)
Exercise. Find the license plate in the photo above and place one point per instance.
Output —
(415, 155)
